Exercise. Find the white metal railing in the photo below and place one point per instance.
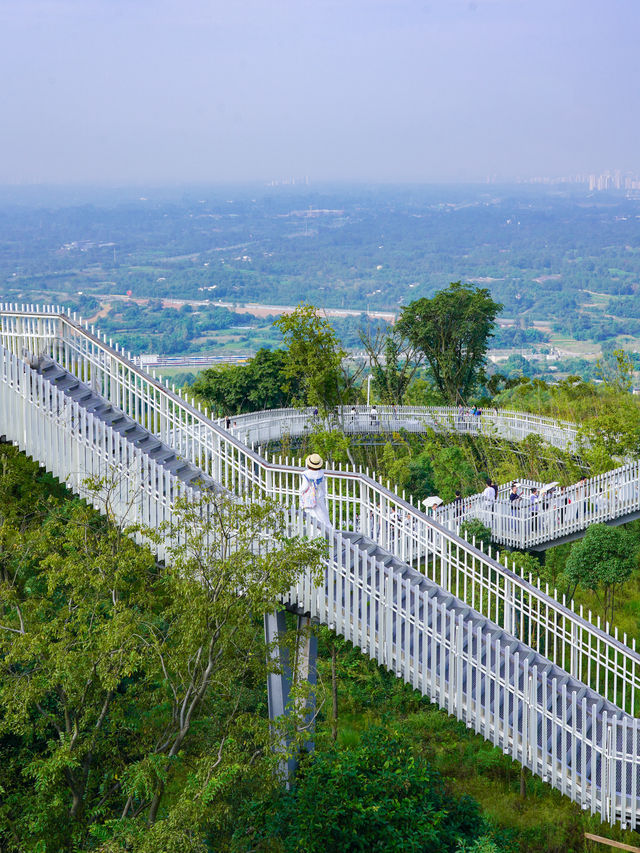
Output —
(525, 525)
(260, 427)
(556, 515)
(512, 696)
(357, 502)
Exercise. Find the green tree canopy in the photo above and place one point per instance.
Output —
(378, 796)
(128, 691)
(261, 383)
(602, 561)
(452, 330)
(314, 357)
(394, 362)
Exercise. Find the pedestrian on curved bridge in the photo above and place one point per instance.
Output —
(313, 490)
(488, 500)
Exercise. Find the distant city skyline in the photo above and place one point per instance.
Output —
(162, 91)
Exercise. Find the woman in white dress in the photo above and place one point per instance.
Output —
(313, 490)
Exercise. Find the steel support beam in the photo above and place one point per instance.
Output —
(281, 677)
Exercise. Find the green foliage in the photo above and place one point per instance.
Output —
(313, 357)
(451, 469)
(397, 462)
(604, 559)
(262, 383)
(377, 796)
(607, 415)
(394, 362)
(474, 527)
(452, 330)
(422, 392)
(332, 444)
(128, 693)
(485, 844)
(525, 563)
(441, 467)
(616, 370)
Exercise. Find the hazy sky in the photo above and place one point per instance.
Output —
(392, 90)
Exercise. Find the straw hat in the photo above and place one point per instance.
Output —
(314, 462)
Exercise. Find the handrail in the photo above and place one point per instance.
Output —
(259, 427)
(559, 515)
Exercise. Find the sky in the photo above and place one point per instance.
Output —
(190, 91)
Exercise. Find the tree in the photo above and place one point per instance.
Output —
(376, 796)
(394, 362)
(603, 560)
(452, 330)
(261, 383)
(128, 691)
(615, 369)
(315, 358)
(474, 528)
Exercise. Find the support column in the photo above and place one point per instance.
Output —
(306, 670)
(279, 683)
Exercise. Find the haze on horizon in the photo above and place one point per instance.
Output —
(170, 91)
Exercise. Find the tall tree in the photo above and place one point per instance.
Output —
(452, 330)
(315, 358)
(394, 361)
(602, 561)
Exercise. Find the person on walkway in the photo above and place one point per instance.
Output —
(582, 492)
(488, 499)
(534, 502)
(458, 509)
(563, 502)
(494, 485)
(313, 490)
(227, 422)
(514, 504)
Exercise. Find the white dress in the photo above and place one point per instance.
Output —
(319, 510)
(489, 499)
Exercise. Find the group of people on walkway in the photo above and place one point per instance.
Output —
(540, 508)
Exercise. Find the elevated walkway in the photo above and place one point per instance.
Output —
(531, 675)
(501, 687)
(559, 515)
(121, 423)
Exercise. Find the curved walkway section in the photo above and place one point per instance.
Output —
(555, 517)
(259, 428)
